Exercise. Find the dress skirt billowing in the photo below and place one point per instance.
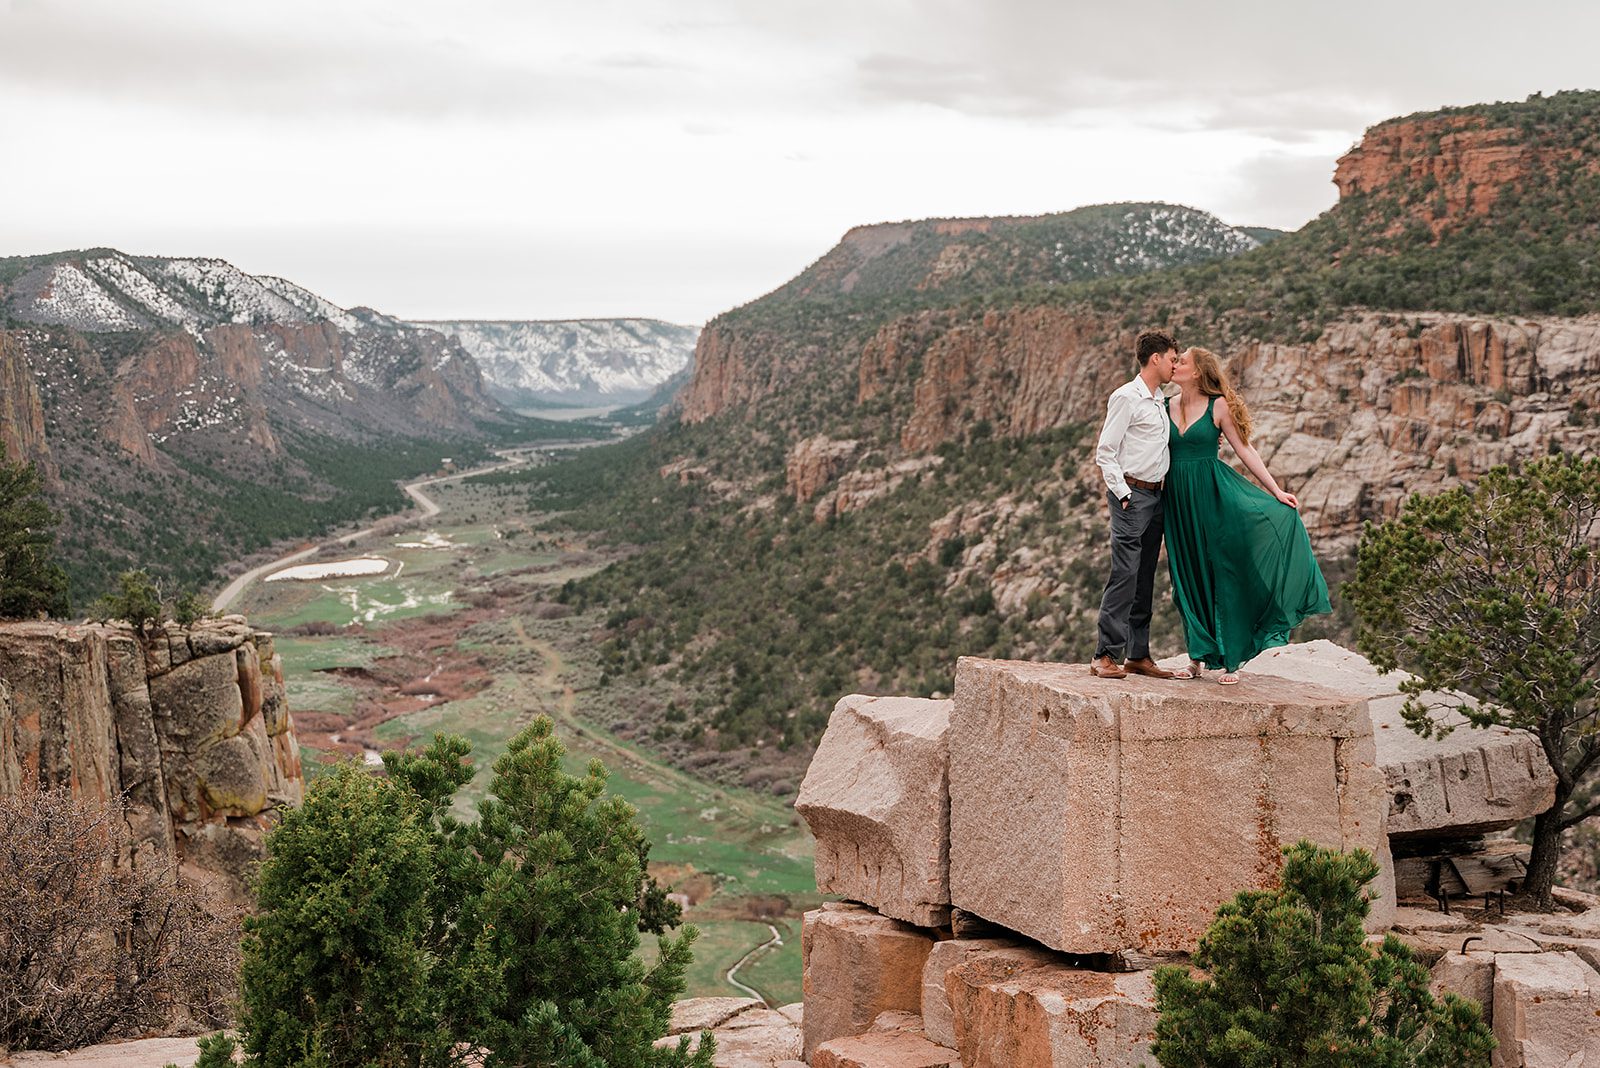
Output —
(1243, 573)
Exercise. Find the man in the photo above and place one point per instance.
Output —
(1132, 455)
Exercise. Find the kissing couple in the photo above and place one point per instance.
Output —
(1243, 573)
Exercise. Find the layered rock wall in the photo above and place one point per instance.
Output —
(188, 726)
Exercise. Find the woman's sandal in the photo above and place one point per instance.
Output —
(1230, 678)
(1193, 671)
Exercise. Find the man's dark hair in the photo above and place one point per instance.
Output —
(1152, 343)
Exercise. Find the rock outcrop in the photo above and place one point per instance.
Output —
(858, 964)
(877, 800)
(1093, 829)
(188, 726)
(748, 1033)
(813, 463)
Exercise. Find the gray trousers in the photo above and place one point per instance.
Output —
(1135, 547)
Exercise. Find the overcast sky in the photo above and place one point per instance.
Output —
(674, 158)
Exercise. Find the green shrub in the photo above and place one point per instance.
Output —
(1290, 981)
(391, 934)
(136, 599)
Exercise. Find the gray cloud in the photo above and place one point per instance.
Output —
(494, 157)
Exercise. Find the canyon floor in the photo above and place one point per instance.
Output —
(459, 635)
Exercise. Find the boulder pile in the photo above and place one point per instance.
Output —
(1016, 860)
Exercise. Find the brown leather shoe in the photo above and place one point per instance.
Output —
(1145, 666)
(1106, 668)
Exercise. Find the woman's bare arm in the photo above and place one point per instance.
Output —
(1252, 459)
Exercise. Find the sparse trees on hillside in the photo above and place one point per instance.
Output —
(30, 580)
(1492, 592)
(1289, 981)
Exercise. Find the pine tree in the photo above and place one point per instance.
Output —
(390, 933)
(1290, 982)
(1492, 591)
(337, 969)
(30, 580)
(554, 880)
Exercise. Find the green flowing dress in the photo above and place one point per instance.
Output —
(1243, 573)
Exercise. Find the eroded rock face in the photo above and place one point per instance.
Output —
(857, 965)
(1025, 1005)
(1106, 817)
(877, 799)
(190, 726)
(813, 463)
(1469, 781)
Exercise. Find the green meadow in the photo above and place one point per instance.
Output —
(744, 855)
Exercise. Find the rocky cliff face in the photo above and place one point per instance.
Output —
(21, 413)
(189, 726)
(741, 359)
(1460, 164)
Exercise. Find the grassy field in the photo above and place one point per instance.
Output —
(743, 856)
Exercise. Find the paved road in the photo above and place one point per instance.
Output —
(428, 508)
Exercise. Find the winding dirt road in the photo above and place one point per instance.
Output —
(427, 508)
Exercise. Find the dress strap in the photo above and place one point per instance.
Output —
(1210, 405)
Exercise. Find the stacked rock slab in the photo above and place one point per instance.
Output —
(877, 799)
(858, 964)
(1466, 782)
(189, 726)
(1115, 817)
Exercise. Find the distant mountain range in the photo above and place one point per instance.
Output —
(148, 387)
(573, 361)
(185, 412)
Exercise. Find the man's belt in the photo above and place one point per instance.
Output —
(1142, 484)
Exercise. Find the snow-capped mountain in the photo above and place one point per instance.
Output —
(583, 361)
(157, 354)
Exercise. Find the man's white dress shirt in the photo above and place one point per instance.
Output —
(1134, 440)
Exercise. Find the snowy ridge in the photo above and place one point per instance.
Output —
(118, 292)
(605, 360)
(69, 297)
(1151, 238)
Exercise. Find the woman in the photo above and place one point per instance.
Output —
(1243, 574)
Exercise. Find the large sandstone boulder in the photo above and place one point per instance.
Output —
(1469, 781)
(1106, 817)
(1546, 1011)
(857, 964)
(1026, 1006)
(937, 1020)
(878, 802)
